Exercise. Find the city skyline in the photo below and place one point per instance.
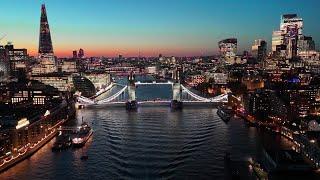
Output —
(159, 89)
(170, 28)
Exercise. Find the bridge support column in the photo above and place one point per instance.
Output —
(131, 104)
(176, 102)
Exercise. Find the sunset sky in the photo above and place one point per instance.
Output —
(170, 27)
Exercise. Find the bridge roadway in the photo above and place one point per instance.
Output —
(157, 103)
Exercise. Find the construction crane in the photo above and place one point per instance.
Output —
(3, 37)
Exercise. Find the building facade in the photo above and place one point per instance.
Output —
(259, 50)
(228, 49)
(13, 62)
(4, 65)
(61, 82)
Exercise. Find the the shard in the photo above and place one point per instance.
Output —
(45, 43)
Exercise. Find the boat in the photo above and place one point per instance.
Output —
(62, 142)
(82, 135)
(224, 113)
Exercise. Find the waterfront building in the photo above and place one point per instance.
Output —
(35, 92)
(301, 99)
(61, 82)
(259, 50)
(228, 49)
(33, 109)
(264, 103)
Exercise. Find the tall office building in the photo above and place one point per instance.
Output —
(74, 54)
(279, 49)
(228, 49)
(307, 49)
(259, 50)
(45, 43)
(291, 27)
(4, 65)
(306, 43)
(285, 41)
(17, 59)
(13, 62)
(81, 53)
(47, 59)
(277, 39)
(291, 24)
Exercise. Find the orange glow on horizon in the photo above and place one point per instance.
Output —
(63, 52)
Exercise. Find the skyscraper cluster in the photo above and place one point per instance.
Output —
(78, 55)
(288, 42)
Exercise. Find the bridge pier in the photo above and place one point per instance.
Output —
(176, 102)
(131, 104)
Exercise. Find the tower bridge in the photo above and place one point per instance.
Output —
(126, 96)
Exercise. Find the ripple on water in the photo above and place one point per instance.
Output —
(150, 143)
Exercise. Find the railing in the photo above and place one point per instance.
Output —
(103, 90)
(154, 82)
(111, 98)
(199, 98)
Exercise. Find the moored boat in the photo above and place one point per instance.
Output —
(82, 136)
(224, 113)
(62, 142)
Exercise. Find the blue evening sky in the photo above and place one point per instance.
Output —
(170, 27)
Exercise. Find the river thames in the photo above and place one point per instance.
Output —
(151, 143)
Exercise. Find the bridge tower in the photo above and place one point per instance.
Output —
(131, 104)
(176, 102)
